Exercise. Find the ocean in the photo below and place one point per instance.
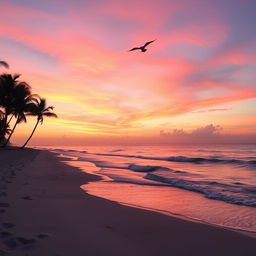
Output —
(214, 184)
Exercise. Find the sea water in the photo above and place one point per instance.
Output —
(214, 184)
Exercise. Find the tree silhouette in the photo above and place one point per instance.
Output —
(3, 128)
(23, 102)
(12, 94)
(38, 108)
(17, 101)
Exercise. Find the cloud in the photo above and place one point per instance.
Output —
(207, 130)
(211, 110)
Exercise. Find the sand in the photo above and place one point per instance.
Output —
(44, 212)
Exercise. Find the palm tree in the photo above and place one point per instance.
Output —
(12, 92)
(21, 106)
(4, 64)
(7, 85)
(38, 108)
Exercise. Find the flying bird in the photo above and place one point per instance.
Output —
(142, 48)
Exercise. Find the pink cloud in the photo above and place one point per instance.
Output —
(207, 130)
(236, 55)
(153, 14)
(209, 34)
(212, 110)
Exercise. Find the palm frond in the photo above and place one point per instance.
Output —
(4, 64)
(34, 96)
(50, 114)
(35, 99)
(49, 108)
(42, 104)
(15, 76)
(22, 118)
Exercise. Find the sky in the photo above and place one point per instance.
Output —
(196, 81)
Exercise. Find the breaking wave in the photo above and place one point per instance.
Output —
(185, 159)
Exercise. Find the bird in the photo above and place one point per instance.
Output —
(142, 48)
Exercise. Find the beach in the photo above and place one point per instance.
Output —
(45, 212)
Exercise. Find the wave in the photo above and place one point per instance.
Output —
(102, 164)
(117, 150)
(131, 167)
(232, 191)
(235, 194)
(67, 150)
(145, 168)
(185, 159)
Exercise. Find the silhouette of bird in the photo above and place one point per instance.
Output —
(142, 48)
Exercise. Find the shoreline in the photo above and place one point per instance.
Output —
(45, 199)
(167, 213)
(186, 218)
(102, 177)
(71, 162)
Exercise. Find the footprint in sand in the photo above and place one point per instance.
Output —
(11, 243)
(15, 242)
(5, 234)
(3, 194)
(41, 236)
(8, 225)
(27, 198)
(4, 205)
(25, 241)
(110, 228)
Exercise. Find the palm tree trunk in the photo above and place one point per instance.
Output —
(10, 135)
(4, 128)
(10, 120)
(30, 135)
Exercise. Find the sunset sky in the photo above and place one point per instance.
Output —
(198, 77)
